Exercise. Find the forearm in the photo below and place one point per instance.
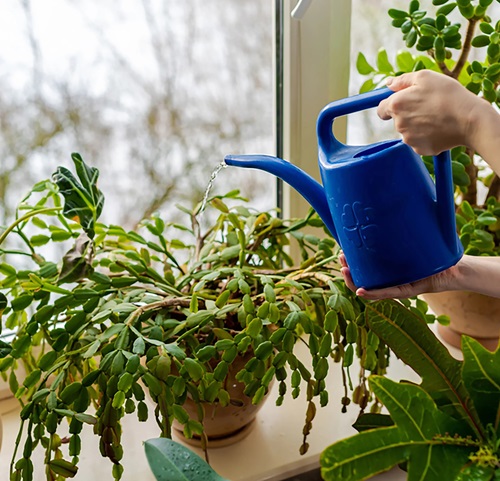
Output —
(478, 274)
(485, 134)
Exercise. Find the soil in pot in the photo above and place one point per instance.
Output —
(472, 314)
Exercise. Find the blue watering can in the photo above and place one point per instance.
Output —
(378, 201)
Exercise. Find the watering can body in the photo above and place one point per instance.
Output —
(394, 224)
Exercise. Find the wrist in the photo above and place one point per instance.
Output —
(479, 274)
(482, 123)
(463, 273)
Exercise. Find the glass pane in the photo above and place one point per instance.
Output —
(152, 92)
(371, 30)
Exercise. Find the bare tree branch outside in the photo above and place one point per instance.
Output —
(152, 92)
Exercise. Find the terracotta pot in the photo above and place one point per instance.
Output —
(225, 425)
(472, 314)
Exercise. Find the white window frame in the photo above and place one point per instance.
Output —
(316, 64)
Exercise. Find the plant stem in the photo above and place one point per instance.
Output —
(465, 49)
(494, 189)
(157, 305)
(472, 171)
(26, 216)
(16, 445)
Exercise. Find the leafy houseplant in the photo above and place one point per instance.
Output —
(445, 428)
(458, 39)
(123, 312)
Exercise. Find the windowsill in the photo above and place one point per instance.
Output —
(268, 453)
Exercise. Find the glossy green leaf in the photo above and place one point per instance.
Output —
(83, 200)
(413, 438)
(5, 349)
(394, 13)
(3, 305)
(446, 9)
(482, 378)
(371, 421)
(480, 41)
(171, 461)
(415, 344)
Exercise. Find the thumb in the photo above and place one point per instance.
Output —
(400, 83)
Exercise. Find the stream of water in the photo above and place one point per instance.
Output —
(210, 184)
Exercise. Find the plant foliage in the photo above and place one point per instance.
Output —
(445, 428)
(165, 311)
(469, 51)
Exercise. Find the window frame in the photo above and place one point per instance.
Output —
(312, 65)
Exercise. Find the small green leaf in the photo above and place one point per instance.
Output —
(194, 369)
(83, 200)
(22, 302)
(405, 61)
(446, 9)
(63, 468)
(394, 13)
(383, 63)
(39, 240)
(32, 378)
(175, 350)
(71, 392)
(362, 65)
(480, 41)
(367, 86)
(467, 210)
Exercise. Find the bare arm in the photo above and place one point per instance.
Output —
(434, 113)
(471, 273)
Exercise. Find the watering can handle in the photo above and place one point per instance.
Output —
(442, 162)
(338, 108)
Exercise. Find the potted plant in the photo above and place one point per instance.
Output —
(168, 311)
(444, 428)
(461, 40)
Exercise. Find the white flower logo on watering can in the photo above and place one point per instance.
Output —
(358, 225)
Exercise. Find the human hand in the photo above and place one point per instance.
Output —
(432, 112)
(442, 281)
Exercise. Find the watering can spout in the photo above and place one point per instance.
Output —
(312, 191)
